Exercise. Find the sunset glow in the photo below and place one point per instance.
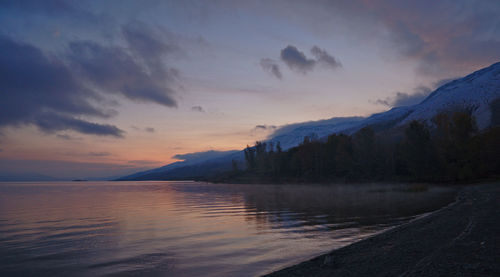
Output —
(164, 78)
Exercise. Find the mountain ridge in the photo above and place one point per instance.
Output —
(474, 92)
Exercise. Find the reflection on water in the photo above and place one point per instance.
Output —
(190, 228)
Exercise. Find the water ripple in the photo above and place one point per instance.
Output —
(188, 228)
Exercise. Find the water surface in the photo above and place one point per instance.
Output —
(191, 228)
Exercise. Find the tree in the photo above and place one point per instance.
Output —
(418, 151)
(452, 151)
(495, 112)
(364, 150)
(456, 151)
(343, 156)
(234, 165)
(463, 129)
(250, 158)
(261, 158)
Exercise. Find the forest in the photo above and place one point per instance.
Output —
(450, 149)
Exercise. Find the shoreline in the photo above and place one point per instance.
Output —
(460, 239)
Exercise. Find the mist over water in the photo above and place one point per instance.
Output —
(191, 228)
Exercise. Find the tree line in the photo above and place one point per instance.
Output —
(449, 149)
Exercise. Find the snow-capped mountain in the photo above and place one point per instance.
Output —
(475, 92)
(293, 134)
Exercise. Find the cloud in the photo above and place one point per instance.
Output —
(114, 70)
(42, 90)
(53, 122)
(202, 156)
(418, 95)
(146, 42)
(262, 130)
(442, 82)
(443, 37)
(456, 38)
(99, 154)
(296, 60)
(405, 99)
(63, 91)
(64, 136)
(67, 137)
(145, 129)
(324, 58)
(265, 127)
(58, 8)
(198, 109)
(272, 67)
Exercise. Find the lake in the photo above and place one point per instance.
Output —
(192, 228)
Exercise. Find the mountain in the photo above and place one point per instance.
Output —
(190, 161)
(291, 135)
(476, 93)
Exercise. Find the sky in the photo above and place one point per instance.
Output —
(92, 89)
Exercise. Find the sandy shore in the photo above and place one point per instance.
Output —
(462, 239)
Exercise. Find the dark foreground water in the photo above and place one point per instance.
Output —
(189, 228)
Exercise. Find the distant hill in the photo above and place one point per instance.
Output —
(478, 93)
(25, 177)
(194, 165)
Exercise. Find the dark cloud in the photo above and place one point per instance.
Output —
(67, 137)
(405, 99)
(146, 41)
(198, 109)
(262, 129)
(415, 97)
(444, 37)
(146, 129)
(296, 60)
(444, 82)
(324, 58)
(57, 8)
(265, 127)
(53, 122)
(149, 46)
(271, 66)
(386, 102)
(64, 136)
(40, 89)
(49, 7)
(61, 92)
(114, 70)
(99, 154)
